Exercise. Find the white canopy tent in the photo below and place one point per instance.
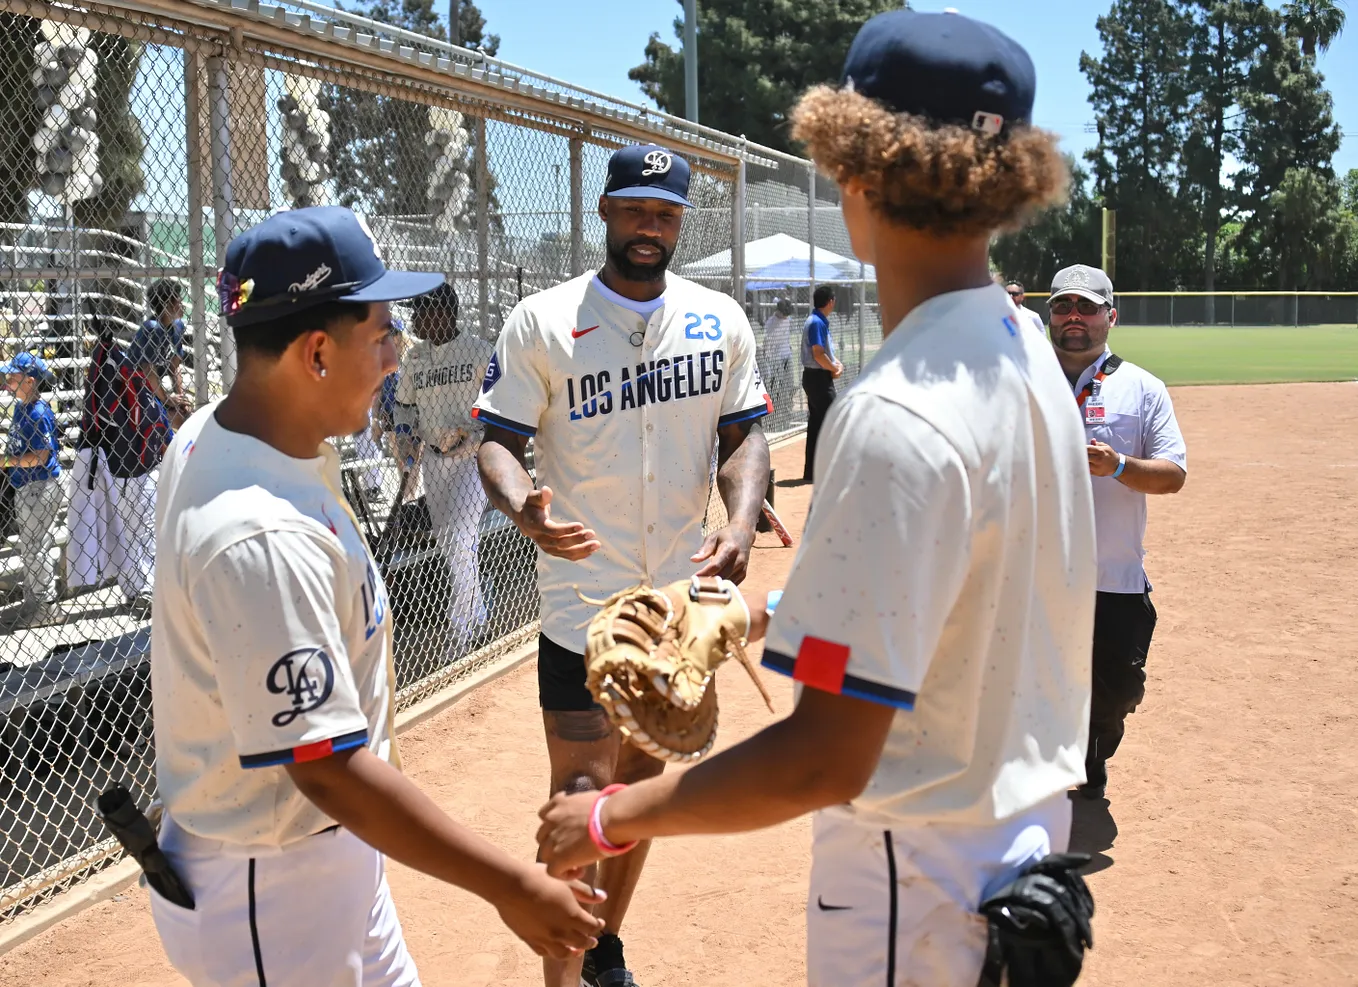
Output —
(774, 261)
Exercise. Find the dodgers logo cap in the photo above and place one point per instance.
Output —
(945, 67)
(1084, 281)
(648, 171)
(301, 258)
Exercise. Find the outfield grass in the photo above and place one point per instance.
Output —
(1224, 355)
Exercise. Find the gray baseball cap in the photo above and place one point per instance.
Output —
(1085, 281)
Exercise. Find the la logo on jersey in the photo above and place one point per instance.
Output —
(306, 676)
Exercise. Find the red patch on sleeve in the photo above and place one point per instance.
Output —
(313, 752)
(476, 412)
(821, 664)
(768, 403)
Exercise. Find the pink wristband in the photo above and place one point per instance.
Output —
(596, 828)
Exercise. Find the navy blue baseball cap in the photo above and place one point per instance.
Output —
(301, 258)
(648, 171)
(945, 67)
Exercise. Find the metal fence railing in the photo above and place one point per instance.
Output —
(1227, 309)
(136, 138)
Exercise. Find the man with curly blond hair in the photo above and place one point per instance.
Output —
(938, 615)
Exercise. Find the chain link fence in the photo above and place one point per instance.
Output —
(135, 141)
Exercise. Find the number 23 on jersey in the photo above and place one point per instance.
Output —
(702, 326)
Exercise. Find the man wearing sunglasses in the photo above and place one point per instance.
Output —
(1016, 295)
(1135, 448)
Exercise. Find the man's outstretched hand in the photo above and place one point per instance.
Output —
(569, 540)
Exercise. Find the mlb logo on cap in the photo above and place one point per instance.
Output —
(944, 67)
(648, 171)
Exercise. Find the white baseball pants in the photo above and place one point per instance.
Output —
(456, 501)
(315, 914)
(112, 525)
(889, 908)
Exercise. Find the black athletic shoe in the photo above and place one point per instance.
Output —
(605, 966)
(1093, 792)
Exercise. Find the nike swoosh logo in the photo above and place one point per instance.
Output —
(577, 333)
(820, 903)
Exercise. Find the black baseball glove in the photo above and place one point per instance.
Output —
(1039, 925)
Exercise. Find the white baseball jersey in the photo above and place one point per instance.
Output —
(1135, 416)
(947, 567)
(441, 383)
(624, 409)
(270, 635)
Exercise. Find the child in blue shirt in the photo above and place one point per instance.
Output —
(30, 463)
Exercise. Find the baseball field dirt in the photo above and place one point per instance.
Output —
(1227, 856)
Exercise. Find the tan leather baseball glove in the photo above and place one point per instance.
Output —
(650, 658)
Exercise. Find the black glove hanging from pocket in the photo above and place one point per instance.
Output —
(134, 831)
(1040, 925)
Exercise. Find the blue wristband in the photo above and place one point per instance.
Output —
(1122, 465)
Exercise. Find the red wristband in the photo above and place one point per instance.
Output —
(596, 829)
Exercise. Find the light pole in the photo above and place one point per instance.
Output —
(454, 28)
(691, 60)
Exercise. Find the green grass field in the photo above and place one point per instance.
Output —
(1223, 355)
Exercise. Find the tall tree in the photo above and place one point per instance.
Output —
(1287, 148)
(121, 141)
(1315, 23)
(755, 58)
(1140, 99)
(1068, 234)
(1223, 40)
(379, 156)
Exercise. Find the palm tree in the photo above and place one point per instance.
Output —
(1315, 22)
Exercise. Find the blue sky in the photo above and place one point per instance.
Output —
(593, 44)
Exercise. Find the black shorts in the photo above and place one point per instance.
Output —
(561, 678)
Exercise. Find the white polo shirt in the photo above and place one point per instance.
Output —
(624, 400)
(947, 567)
(1033, 319)
(1139, 422)
(270, 635)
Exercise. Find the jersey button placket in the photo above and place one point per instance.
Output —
(650, 498)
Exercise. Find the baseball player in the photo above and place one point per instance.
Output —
(439, 380)
(31, 466)
(271, 651)
(1017, 294)
(111, 517)
(778, 350)
(938, 611)
(1135, 449)
(626, 380)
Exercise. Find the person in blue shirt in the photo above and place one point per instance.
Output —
(819, 370)
(30, 463)
(157, 348)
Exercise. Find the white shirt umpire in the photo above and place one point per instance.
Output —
(1135, 449)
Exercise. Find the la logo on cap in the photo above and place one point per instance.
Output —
(657, 163)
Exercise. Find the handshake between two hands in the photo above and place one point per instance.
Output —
(650, 656)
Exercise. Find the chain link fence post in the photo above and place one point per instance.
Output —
(198, 274)
(577, 152)
(223, 193)
(482, 226)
